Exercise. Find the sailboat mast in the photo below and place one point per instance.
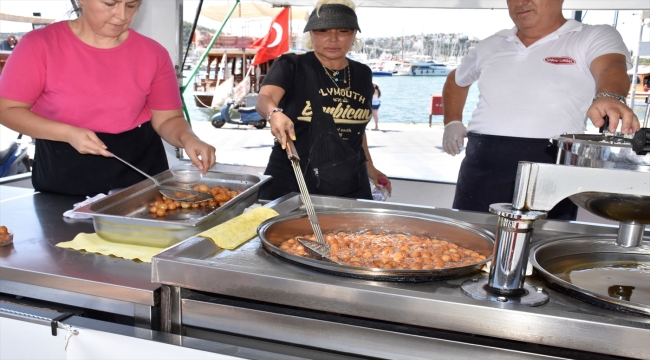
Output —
(402, 44)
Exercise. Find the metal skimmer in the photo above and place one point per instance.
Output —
(176, 193)
(320, 248)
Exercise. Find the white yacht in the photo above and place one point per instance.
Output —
(429, 68)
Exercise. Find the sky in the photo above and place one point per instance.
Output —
(374, 22)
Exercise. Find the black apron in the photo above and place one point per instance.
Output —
(280, 187)
(488, 172)
(59, 168)
(280, 167)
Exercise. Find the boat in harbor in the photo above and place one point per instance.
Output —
(378, 72)
(229, 56)
(402, 68)
(429, 68)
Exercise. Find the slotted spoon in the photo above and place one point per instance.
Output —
(176, 193)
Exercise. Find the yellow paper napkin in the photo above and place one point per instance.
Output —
(240, 229)
(94, 244)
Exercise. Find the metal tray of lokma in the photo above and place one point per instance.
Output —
(124, 217)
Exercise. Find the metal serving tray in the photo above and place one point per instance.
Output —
(124, 216)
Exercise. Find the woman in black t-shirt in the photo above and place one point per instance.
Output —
(346, 90)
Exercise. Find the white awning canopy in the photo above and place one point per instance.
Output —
(26, 19)
(481, 4)
(249, 11)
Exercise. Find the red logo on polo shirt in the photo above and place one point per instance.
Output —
(560, 60)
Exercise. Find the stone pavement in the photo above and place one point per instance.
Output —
(409, 151)
(410, 154)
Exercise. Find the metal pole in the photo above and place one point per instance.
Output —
(636, 65)
(75, 6)
(205, 55)
(189, 42)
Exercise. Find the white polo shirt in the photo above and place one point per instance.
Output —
(538, 91)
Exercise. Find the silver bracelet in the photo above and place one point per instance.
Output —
(277, 109)
(611, 95)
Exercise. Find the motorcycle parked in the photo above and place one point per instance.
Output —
(14, 158)
(238, 116)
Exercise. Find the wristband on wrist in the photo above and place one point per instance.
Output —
(277, 109)
(611, 95)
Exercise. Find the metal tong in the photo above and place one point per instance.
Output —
(319, 248)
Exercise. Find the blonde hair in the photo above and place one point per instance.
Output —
(306, 40)
(347, 3)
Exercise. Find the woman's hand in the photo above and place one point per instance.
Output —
(375, 175)
(171, 126)
(203, 155)
(281, 127)
(86, 141)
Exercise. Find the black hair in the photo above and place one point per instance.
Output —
(378, 91)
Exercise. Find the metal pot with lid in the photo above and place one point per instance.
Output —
(605, 151)
(607, 174)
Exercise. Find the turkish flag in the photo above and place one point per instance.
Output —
(276, 42)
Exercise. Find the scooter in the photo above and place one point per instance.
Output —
(239, 116)
(13, 158)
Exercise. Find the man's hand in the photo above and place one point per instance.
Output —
(615, 110)
(454, 137)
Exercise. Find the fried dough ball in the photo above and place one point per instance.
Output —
(390, 251)
(221, 196)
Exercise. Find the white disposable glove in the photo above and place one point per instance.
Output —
(454, 137)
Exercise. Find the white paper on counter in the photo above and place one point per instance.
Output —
(92, 344)
(73, 215)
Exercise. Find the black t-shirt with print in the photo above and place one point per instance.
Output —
(351, 110)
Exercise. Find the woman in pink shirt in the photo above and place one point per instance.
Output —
(91, 86)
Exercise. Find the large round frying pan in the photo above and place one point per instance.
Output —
(278, 229)
(596, 270)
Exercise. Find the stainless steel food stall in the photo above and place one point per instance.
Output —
(259, 298)
(34, 268)
(248, 291)
(104, 287)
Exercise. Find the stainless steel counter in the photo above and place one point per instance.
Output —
(250, 273)
(34, 267)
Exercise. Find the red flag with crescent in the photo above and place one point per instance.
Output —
(276, 42)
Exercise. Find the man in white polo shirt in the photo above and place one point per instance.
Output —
(536, 81)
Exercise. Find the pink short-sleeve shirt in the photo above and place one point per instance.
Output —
(103, 90)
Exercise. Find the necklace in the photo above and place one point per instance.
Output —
(333, 75)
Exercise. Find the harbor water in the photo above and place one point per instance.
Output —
(404, 100)
(407, 99)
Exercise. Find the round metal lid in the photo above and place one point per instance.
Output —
(603, 151)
